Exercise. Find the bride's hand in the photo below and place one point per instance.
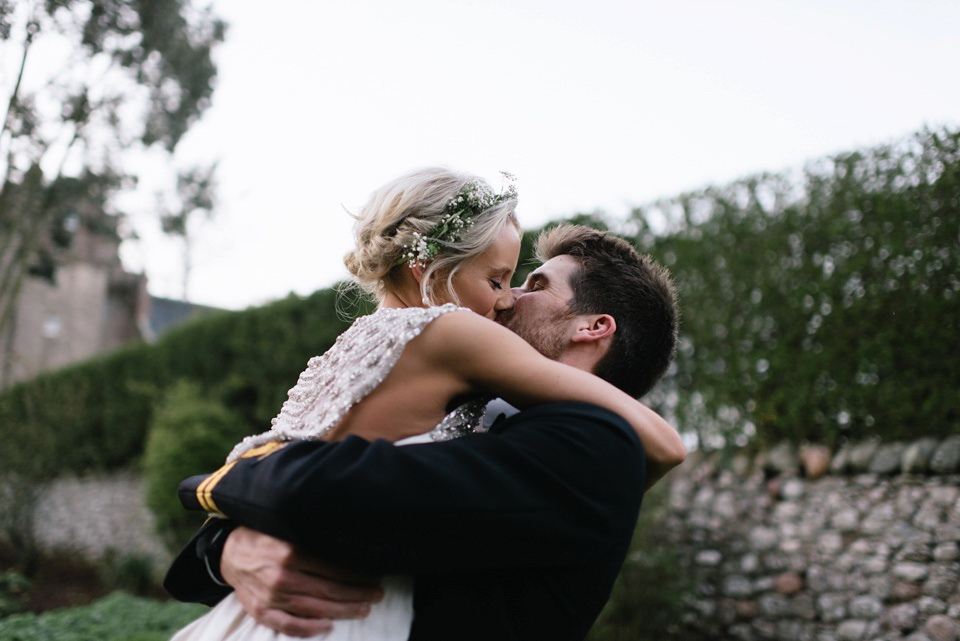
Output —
(290, 592)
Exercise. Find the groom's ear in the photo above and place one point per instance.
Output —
(594, 327)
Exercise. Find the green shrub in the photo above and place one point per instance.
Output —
(131, 573)
(189, 435)
(13, 589)
(118, 617)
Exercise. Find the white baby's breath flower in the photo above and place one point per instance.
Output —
(473, 199)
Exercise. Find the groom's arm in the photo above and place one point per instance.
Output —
(282, 589)
(546, 490)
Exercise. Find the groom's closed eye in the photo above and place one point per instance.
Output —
(535, 282)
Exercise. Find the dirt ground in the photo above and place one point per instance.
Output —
(57, 582)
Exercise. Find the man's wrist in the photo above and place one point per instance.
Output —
(210, 550)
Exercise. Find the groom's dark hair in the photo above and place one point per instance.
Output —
(615, 279)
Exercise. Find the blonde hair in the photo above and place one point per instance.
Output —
(414, 203)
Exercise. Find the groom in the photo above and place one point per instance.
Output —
(518, 533)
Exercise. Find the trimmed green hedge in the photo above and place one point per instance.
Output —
(820, 306)
(95, 415)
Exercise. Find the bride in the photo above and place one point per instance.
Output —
(437, 249)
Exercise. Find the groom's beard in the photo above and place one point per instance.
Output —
(547, 335)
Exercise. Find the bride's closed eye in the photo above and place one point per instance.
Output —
(496, 284)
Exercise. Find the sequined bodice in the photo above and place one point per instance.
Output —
(357, 362)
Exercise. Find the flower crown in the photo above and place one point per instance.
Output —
(474, 198)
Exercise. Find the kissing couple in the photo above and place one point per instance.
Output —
(509, 505)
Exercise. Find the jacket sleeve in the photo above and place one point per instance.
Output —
(193, 577)
(548, 487)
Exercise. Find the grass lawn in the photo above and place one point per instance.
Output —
(116, 617)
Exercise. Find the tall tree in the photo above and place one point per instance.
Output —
(85, 86)
(195, 195)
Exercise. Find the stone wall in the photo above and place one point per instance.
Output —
(98, 516)
(805, 544)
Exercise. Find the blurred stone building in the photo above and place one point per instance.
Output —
(86, 305)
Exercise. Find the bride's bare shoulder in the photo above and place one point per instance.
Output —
(466, 334)
(463, 324)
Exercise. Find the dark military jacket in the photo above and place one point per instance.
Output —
(514, 534)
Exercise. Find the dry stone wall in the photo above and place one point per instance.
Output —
(98, 516)
(802, 544)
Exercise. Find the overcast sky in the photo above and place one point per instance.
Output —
(600, 105)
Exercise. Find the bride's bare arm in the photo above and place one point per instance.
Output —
(493, 359)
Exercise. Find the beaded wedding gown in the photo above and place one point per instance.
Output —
(332, 383)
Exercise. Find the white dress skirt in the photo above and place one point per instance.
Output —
(332, 383)
(389, 620)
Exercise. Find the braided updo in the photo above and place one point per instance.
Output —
(415, 202)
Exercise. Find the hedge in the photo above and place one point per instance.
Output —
(823, 305)
(94, 415)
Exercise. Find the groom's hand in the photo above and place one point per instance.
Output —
(290, 592)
